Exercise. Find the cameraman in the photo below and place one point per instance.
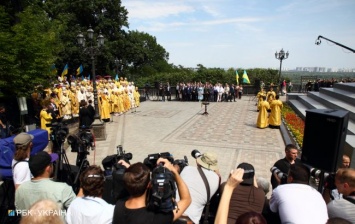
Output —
(207, 162)
(281, 167)
(137, 182)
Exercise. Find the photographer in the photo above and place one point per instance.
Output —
(207, 163)
(281, 167)
(96, 209)
(345, 205)
(137, 182)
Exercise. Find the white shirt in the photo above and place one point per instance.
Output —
(299, 204)
(342, 208)
(89, 210)
(21, 172)
(194, 182)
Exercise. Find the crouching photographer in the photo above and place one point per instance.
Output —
(203, 182)
(138, 183)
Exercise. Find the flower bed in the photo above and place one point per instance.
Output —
(294, 123)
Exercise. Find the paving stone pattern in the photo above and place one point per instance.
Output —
(179, 127)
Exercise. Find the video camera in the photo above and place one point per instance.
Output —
(111, 162)
(151, 160)
(182, 163)
(163, 188)
(81, 143)
(59, 131)
(163, 191)
(114, 175)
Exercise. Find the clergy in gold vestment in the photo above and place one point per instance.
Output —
(270, 96)
(275, 115)
(45, 117)
(263, 120)
(105, 107)
(260, 95)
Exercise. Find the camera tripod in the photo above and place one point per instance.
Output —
(64, 172)
(59, 173)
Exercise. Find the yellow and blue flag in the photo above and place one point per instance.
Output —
(80, 70)
(237, 76)
(245, 78)
(53, 69)
(65, 71)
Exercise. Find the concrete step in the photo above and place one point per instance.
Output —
(333, 103)
(298, 107)
(303, 103)
(350, 86)
(340, 94)
(311, 103)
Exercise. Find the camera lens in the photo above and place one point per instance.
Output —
(195, 153)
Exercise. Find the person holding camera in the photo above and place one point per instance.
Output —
(247, 196)
(296, 201)
(138, 183)
(281, 167)
(207, 164)
(96, 210)
(344, 206)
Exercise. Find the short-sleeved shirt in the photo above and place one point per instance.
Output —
(299, 203)
(35, 190)
(245, 198)
(197, 188)
(20, 171)
(89, 210)
(124, 215)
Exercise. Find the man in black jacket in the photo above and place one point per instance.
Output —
(281, 167)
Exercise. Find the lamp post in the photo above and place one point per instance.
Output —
(92, 50)
(117, 63)
(280, 56)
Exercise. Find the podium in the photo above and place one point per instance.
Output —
(206, 104)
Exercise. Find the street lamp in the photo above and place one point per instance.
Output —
(93, 50)
(117, 63)
(280, 56)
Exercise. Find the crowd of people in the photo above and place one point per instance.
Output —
(315, 85)
(76, 99)
(242, 198)
(208, 92)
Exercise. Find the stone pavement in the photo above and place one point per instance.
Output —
(178, 127)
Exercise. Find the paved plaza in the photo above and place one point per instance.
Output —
(179, 127)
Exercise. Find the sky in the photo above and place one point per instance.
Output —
(246, 34)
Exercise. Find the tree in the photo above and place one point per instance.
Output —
(32, 43)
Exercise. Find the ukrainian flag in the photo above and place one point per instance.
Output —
(53, 69)
(80, 70)
(237, 76)
(245, 78)
(65, 71)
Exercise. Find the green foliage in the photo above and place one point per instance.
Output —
(30, 56)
